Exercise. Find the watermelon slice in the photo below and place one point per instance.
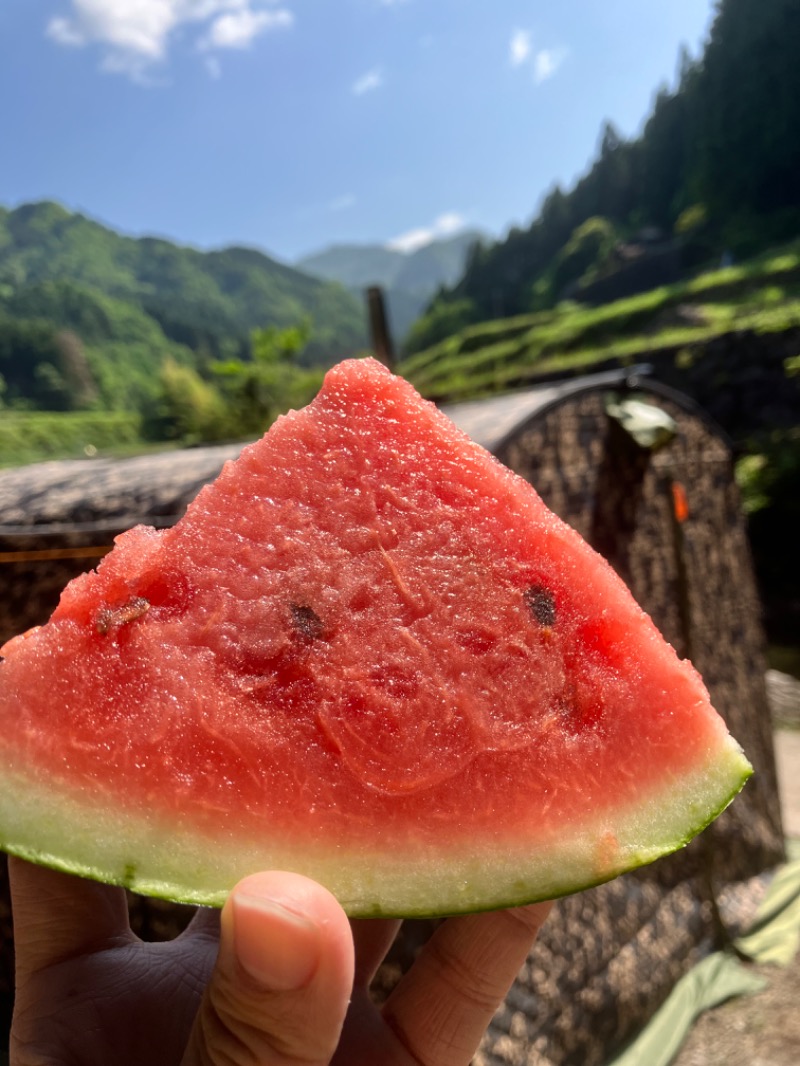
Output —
(367, 653)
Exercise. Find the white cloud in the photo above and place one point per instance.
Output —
(62, 31)
(546, 63)
(368, 82)
(214, 67)
(449, 223)
(136, 34)
(443, 226)
(519, 49)
(343, 203)
(238, 29)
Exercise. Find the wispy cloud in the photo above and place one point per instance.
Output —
(368, 82)
(519, 49)
(343, 203)
(547, 62)
(444, 226)
(238, 29)
(62, 31)
(544, 62)
(136, 35)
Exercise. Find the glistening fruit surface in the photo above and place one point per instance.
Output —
(370, 653)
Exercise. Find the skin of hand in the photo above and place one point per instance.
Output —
(279, 978)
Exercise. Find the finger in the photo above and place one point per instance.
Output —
(58, 916)
(205, 922)
(372, 938)
(279, 992)
(440, 1010)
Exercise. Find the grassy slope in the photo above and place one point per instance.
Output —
(35, 436)
(762, 295)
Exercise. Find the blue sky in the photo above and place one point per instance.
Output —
(294, 124)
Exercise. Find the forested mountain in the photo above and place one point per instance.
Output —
(714, 172)
(70, 285)
(410, 279)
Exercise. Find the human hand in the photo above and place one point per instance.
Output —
(278, 978)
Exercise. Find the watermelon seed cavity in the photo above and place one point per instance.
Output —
(112, 617)
(542, 606)
(306, 621)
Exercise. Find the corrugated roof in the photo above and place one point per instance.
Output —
(112, 494)
(491, 421)
(107, 493)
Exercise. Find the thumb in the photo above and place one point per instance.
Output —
(282, 983)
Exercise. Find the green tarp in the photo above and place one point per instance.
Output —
(773, 938)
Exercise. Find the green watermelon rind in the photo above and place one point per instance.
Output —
(42, 825)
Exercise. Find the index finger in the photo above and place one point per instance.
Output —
(441, 1009)
(58, 916)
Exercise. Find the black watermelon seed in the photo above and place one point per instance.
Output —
(306, 621)
(542, 605)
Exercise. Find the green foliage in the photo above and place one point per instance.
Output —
(692, 219)
(747, 110)
(761, 295)
(229, 292)
(772, 473)
(187, 408)
(442, 320)
(131, 305)
(258, 389)
(107, 352)
(32, 436)
(587, 249)
(769, 480)
(30, 362)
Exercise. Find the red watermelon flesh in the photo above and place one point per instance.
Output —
(368, 653)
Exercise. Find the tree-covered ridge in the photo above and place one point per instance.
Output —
(196, 297)
(714, 172)
(183, 345)
(761, 296)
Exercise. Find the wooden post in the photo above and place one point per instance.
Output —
(379, 327)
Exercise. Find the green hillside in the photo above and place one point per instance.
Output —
(203, 300)
(111, 342)
(762, 295)
(713, 175)
(67, 346)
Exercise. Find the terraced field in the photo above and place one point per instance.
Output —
(762, 296)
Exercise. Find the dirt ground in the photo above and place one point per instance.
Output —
(764, 1029)
(759, 1030)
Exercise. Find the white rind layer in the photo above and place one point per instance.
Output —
(84, 836)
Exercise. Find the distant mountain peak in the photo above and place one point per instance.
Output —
(410, 278)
